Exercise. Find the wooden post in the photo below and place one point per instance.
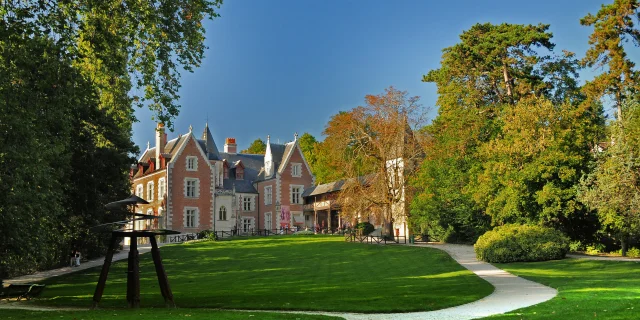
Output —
(165, 289)
(315, 219)
(97, 295)
(133, 275)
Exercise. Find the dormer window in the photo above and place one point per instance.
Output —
(239, 174)
(226, 172)
(296, 169)
(192, 163)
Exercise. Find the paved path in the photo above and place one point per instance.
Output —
(40, 276)
(587, 257)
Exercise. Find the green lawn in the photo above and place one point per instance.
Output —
(586, 289)
(160, 314)
(287, 273)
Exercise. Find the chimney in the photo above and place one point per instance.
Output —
(161, 141)
(230, 145)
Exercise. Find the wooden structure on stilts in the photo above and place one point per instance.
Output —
(133, 268)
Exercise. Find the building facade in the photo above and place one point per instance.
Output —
(191, 186)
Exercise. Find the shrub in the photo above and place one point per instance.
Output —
(511, 243)
(596, 248)
(365, 228)
(206, 234)
(304, 232)
(576, 246)
(633, 253)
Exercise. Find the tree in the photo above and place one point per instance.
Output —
(613, 26)
(531, 170)
(257, 147)
(480, 80)
(308, 145)
(122, 44)
(612, 189)
(376, 146)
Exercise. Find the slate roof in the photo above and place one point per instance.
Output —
(170, 149)
(323, 188)
(288, 148)
(252, 165)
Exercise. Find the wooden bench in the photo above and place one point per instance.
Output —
(21, 291)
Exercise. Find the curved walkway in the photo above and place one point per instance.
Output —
(510, 293)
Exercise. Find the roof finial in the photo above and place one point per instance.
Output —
(148, 144)
(268, 138)
(295, 136)
(190, 128)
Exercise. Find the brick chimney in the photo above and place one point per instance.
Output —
(230, 145)
(161, 141)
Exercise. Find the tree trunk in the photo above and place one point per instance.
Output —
(507, 79)
(625, 244)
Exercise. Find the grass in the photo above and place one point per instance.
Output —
(286, 273)
(160, 314)
(586, 289)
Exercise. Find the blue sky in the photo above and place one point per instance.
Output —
(283, 66)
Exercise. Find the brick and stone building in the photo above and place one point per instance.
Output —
(192, 186)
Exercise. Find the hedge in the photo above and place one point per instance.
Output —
(513, 243)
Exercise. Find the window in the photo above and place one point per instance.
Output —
(149, 191)
(192, 163)
(296, 194)
(139, 191)
(247, 225)
(191, 187)
(161, 188)
(190, 217)
(226, 172)
(268, 195)
(296, 169)
(239, 173)
(267, 220)
(246, 203)
(222, 213)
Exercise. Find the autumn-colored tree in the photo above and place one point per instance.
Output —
(378, 151)
(257, 147)
(613, 26)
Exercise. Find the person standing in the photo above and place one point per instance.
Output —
(72, 258)
(77, 256)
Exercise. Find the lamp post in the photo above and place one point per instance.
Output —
(278, 212)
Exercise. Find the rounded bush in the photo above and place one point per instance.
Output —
(304, 232)
(365, 227)
(512, 243)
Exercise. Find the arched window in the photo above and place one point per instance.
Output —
(223, 213)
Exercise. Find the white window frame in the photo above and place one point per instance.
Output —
(192, 163)
(268, 220)
(196, 191)
(268, 195)
(296, 169)
(247, 203)
(291, 193)
(150, 191)
(139, 191)
(162, 188)
(196, 217)
(222, 210)
(246, 224)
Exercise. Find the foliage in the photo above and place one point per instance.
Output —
(613, 26)
(586, 289)
(266, 263)
(62, 157)
(207, 234)
(513, 243)
(257, 147)
(365, 228)
(377, 150)
(595, 248)
(474, 175)
(576, 246)
(634, 253)
(122, 44)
